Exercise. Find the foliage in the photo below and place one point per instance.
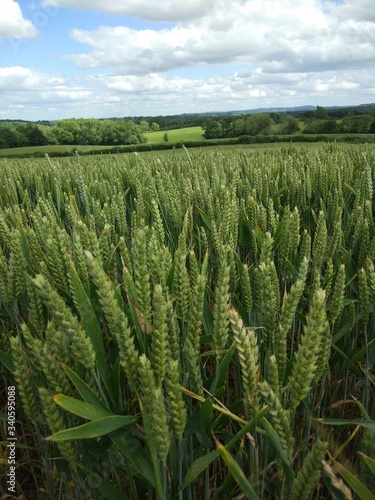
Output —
(321, 113)
(290, 125)
(131, 130)
(359, 124)
(255, 124)
(190, 326)
(20, 134)
(71, 131)
(105, 132)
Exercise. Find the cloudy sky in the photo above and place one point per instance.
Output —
(103, 58)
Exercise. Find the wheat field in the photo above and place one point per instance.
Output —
(193, 326)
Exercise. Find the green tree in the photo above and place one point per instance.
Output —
(321, 113)
(308, 114)
(312, 126)
(213, 129)
(90, 131)
(68, 129)
(9, 137)
(35, 135)
(328, 127)
(145, 127)
(259, 123)
(63, 136)
(133, 139)
(237, 128)
(291, 125)
(155, 127)
(277, 117)
(48, 133)
(358, 124)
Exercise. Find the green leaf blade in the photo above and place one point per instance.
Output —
(96, 428)
(237, 472)
(80, 408)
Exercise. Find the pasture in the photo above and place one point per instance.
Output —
(176, 135)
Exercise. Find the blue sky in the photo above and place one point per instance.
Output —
(141, 57)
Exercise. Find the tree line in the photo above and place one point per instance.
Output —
(310, 122)
(124, 131)
(71, 131)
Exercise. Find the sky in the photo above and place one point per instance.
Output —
(114, 58)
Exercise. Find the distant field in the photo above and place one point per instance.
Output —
(179, 151)
(48, 149)
(175, 135)
(238, 148)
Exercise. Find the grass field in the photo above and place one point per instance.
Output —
(225, 149)
(48, 149)
(175, 135)
(9, 152)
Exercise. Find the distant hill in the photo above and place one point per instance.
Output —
(187, 119)
(262, 110)
(194, 119)
(294, 109)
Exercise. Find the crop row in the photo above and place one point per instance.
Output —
(193, 327)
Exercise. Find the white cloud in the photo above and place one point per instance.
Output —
(233, 54)
(12, 22)
(30, 94)
(334, 84)
(26, 92)
(360, 10)
(287, 37)
(153, 10)
(18, 78)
